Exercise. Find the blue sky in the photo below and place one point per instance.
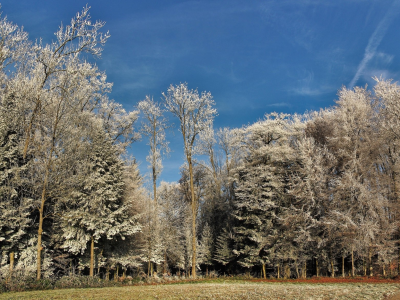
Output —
(254, 57)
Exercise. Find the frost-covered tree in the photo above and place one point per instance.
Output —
(205, 249)
(51, 99)
(387, 103)
(224, 247)
(195, 113)
(97, 209)
(15, 186)
(362, 189)
(151, 236)
(154, 128)
(63, 88)
(172, 214)
(260, 193)
(15, 203)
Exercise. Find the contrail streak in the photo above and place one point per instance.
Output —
(375, 40)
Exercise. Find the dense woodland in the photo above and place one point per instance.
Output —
(288, 196)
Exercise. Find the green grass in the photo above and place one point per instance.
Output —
(227, 290)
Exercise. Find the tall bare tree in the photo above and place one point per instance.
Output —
(195, 113)
(154, 128)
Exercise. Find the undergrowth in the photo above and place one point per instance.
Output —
(26, 283)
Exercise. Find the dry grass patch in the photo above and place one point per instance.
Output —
(228, 290)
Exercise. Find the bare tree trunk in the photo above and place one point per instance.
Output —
(116, 273)
(165, 262)
(98, 262)
(12, 256)
(41, 211)
(263, 271)
(332, 268)
(352, 262)
(39, 243)
(108, 273)
(317, 267)
(279, 272)
(194, 214)
(286, 271)
(364, 267)
(70, 268)
(305, 270)
(343, 275)
(297, 269)
(155, 205)
(154, 185)
(91, 272)
(370, 262)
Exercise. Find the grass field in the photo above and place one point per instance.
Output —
(227, 290)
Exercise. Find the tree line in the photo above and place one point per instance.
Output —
(288, 196)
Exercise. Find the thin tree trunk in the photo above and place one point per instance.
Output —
(155, 185)
(41, 211)
(91, 272)
(317, 267)
(364, 267)
(297, 269)
(194, 214)
(370, 262)
(288, 273)
(279, 272)
(343, 275)
(332, 268)
(108, 273)
(155, 201)
(116, 274)
(70, 268)
(12, 256)
(98, 262)
(39, 243)
(165, 262)
(352, 263)
(263, 271)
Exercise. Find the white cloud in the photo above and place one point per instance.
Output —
(308, 86)
(279, 104)
(307, 91)
(385, 58)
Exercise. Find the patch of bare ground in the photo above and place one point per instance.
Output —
(225, 290)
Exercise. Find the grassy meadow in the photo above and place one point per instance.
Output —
(222, 290)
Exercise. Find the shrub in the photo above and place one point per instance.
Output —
(25, 283)
(79, 281)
